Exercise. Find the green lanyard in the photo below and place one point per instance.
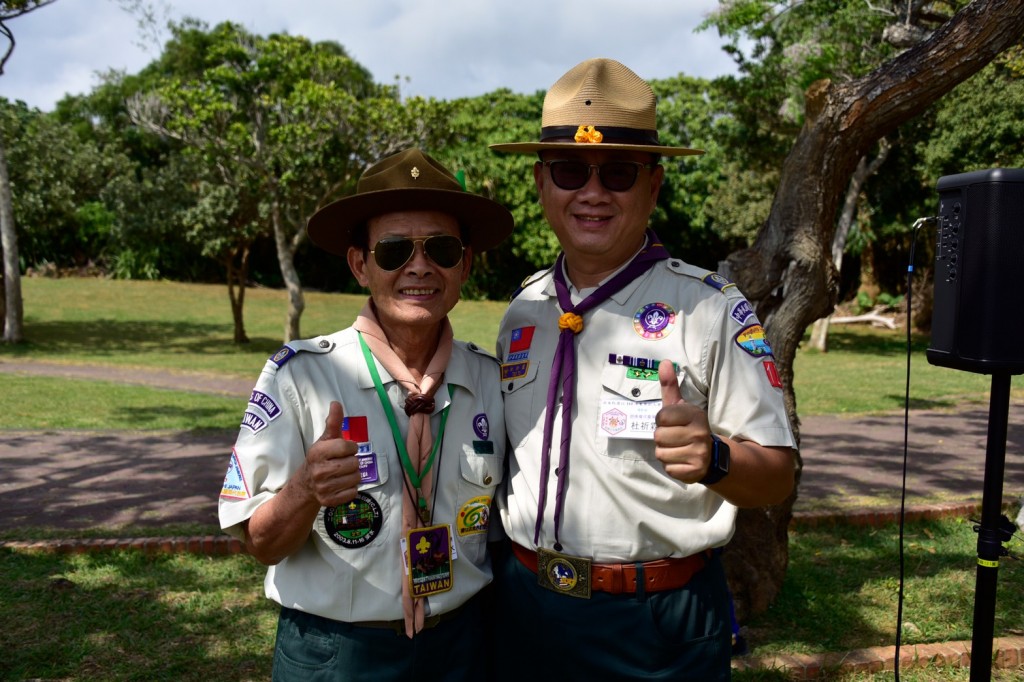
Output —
(415, 477)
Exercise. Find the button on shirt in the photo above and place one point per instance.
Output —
(360, 580)
(620, 505)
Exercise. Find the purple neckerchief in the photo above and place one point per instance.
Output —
(563, 369)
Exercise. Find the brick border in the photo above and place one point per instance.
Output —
(1007, 653)
(213, 545)
(880, 516)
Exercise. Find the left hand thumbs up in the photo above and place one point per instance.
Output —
(682, 439)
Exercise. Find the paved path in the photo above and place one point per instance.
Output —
(79, 480)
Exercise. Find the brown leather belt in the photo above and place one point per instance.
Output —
(660, 575)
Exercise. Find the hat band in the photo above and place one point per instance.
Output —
(611, 134)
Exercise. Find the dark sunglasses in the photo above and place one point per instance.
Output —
(616, 176)
(392, 253)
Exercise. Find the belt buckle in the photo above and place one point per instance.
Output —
(563, 574)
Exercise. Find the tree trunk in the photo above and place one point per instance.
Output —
(788, 273)
(286, 261)
(13, 308)
(237, 277)
(819, 332)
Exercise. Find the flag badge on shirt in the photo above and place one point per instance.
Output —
(517, 361)
(773, 374)
(355, 429)
(521, 339)
(234, 486)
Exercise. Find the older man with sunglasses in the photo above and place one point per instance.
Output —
(642, 405)
(367, 460)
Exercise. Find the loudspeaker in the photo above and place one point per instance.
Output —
(979, 261)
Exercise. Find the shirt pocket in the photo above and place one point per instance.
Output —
(524, 398)
(481, 474)
(629, 401)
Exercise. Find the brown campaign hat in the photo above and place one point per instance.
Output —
(599, 102)
(409, 181)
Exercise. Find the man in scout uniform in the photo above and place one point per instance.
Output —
(367, 459)
(643, 408)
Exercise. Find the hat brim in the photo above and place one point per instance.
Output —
(534, 147)
(485, 223)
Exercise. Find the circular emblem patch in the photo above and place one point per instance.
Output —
(481, 426)
(654, 320)
(354, 524)
(474, 516)
(562, 575)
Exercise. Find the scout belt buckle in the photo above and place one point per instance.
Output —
(563, 574)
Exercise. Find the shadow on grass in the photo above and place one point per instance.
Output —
(109, 337)
(126, 615)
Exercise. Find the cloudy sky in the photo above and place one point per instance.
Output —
(445, 48)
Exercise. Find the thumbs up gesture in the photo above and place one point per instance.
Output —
(682, 439)
(331, 467)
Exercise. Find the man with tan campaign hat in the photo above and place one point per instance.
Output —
(367, 459)
(642, 405)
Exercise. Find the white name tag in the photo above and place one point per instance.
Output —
(627, 418)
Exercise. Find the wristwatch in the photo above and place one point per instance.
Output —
(719, 467)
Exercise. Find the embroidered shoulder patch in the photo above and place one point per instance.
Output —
(282, 356)
(720, 282)
(234, 486)
(753, 341)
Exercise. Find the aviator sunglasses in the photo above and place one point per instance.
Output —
(391, 253)
(616, 176)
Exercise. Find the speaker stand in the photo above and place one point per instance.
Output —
(990, 546)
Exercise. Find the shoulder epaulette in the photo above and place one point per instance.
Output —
(528, 281)
(293, 348)
(709, 277)
(472, 347)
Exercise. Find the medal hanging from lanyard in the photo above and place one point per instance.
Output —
(415, 477)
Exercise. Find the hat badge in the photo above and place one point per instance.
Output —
(586, 134)
(415, 172)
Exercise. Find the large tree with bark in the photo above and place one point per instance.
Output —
(788, 272)
(11, 305)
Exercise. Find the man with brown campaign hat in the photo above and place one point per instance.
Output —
(642, 405)
(367, 459)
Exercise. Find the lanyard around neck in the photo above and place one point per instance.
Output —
(415, 477)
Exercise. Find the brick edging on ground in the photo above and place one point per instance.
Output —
(1007, 653)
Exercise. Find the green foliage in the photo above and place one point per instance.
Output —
(979, 125)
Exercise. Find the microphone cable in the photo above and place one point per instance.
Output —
(918, 224)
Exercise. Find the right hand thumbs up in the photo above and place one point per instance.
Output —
(335, 419)
(332, 469)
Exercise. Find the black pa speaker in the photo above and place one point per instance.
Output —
(979, 261)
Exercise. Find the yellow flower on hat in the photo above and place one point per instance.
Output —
(588, 134)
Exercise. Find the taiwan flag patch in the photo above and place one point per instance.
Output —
(521, 339)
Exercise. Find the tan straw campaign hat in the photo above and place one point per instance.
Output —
(409, 181)
(599, 101)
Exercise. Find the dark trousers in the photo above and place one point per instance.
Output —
(682, 634)
(314, 649)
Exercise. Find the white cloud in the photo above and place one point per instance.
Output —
(446, 48)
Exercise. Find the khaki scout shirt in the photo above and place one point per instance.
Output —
(620, 505)
(359, 577)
